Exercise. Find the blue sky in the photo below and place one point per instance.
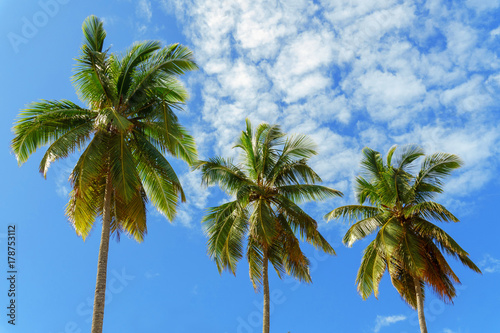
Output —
(349, 73)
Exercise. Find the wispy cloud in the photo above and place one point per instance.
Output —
(490, 264)
(383, 321)
(143, 10)
(151, 275)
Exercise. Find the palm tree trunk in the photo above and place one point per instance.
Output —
(265, 282)
(420, 305)
(102, 266)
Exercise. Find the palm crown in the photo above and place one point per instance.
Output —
(402, 213)
(271, 178)
(124, 130)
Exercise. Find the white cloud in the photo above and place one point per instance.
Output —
(196, 198)
(257, 31)
(388, 95)
(184, 217)
(141, 29)
(383, 321)
(481, 5)
(495, 32)
(61, 170)
(151, 275)
(461, 39)
(194, 291)
(347, 11)
(196, 195)
(490, 264)
(470, 96)
(109, 20)
(475, 144)
(143, 10)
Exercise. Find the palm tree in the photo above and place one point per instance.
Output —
(408, 244)
(126, 127)
(271, 178)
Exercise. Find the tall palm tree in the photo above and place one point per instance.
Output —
(271, 178)
(408, 244)
(127, 125)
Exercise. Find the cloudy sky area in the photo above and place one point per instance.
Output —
(349, 73)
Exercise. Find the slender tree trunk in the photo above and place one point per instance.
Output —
(265, 282)
(420, 305)
(102, 266)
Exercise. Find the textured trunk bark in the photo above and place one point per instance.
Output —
(102, 266)
(420, 306)
(265, 281)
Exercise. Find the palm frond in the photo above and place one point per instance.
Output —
(372, 163)
(430, 210)
(390, 153)
(255, 259)
(296, 148)
(158, 177)
(351, 213)
(364, 190)
(271, 138)
(222, 172)
(42, 123)
(131, 214)
(137, 54)
(305, 224)
(91, 78)
(168, 135)
(363, 228)
(438, 274)
(295, 173)
(93, 33)
(388, 238)
(93, 162)
(371, 270)
(85, 205)
(444, 241)
(411, 253)
(226, 226)
(405, 285)
(123, 167)
(173, 60)
(246, 145)
(307, 192)
(434, 169)
(410, 153)
(65, 145)
(262, 221)
(294, 260)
